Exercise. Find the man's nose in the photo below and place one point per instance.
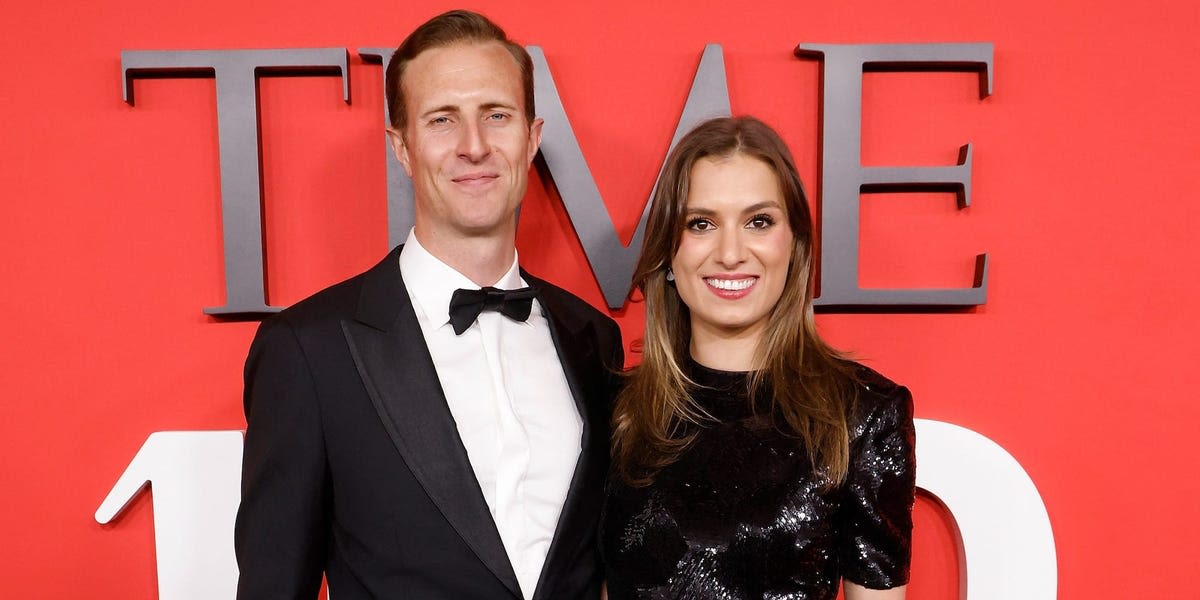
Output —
(472, 142)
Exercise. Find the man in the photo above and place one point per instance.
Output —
(396, 442)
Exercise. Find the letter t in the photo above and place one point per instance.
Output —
(236, 73)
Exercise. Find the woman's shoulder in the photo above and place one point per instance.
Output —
(878, 397)
(873, 383)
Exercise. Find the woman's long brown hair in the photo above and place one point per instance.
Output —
(812, 385)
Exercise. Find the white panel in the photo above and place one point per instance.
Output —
(1002, 523)
(195, 478)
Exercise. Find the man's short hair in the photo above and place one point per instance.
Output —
(454, 27)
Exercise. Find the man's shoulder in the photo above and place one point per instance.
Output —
(336, 299)
(564, 304)
(335, 302)
(577, 316)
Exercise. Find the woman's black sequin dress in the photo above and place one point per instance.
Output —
(741, 516)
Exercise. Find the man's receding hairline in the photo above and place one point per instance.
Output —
(461, 43)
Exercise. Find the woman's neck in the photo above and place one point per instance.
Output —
(725, 350)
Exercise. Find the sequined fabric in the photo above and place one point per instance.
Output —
(741, 515)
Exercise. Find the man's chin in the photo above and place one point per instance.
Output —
(487, 227)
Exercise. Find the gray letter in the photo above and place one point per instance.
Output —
(236, 72)
(399, 187)
(611, 261)
(843, 177)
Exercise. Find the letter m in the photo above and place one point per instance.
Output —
(612, 262)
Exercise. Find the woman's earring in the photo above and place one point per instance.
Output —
(670, 274)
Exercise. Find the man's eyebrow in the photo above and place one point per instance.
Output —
(495, 105)
(455, 109)
(445, 108)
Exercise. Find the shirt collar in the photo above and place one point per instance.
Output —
(431, 282)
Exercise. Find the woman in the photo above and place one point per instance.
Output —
(750, 460)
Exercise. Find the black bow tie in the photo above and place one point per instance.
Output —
(465, 305)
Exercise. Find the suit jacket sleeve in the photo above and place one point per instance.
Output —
(280, 536)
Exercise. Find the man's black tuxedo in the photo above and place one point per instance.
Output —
(353, 465)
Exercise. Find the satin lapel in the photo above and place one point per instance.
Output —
(398, 373)
(575, 341)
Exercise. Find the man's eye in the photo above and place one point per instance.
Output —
(497, 116)
(439, 120)
(700, 224)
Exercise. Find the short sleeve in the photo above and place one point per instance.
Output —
(875, 518)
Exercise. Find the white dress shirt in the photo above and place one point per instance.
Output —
(510, 401)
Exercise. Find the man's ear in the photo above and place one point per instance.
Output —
(535, 137)
(399, 148)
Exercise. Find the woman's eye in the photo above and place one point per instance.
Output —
(760, 222)
(699, 224)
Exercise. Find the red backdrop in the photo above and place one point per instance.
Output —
(1080, 364)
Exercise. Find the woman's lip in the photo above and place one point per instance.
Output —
(749, 281)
